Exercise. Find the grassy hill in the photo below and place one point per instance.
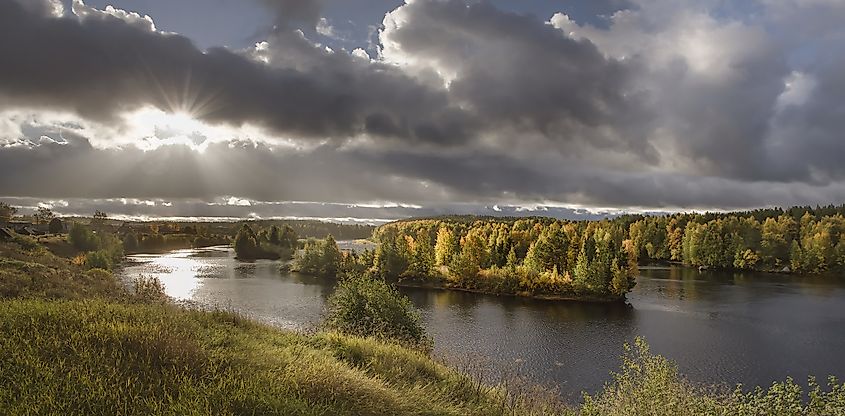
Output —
(99, 357)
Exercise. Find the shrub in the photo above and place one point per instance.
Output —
(650, 385)
(81, 238)
(27, 243)
(130, 242)
(246, 243)
(149, 289)
(100, 259)
(367, 307)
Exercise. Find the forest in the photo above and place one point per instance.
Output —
(545, 257)
(539, 257)
(801, 240)
(270, 243)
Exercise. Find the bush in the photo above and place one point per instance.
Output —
(368, 307)
(149, 289)
(27, 243)
(130, 242)
(650, 385)
(81, 238)
(99, 259)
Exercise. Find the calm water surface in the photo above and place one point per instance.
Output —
(748, 328)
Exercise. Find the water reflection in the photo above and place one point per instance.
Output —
(181, 272)
(214, 278)
(751, 328)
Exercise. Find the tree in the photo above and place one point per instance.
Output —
(512, 261)
(81, 238)
(444, 247)
(308, 260)
(288, 237)
(56, 226)
(320, 258)
(366, 307)
(130, 242)
(472, 258)
(274, 237)
(619, 284)
(7, 211)
(44, 215)
(777, 236)
(675, 239)
(389, 259)
(99, 219)
(421, 252)
(246, 243)
(331, 257)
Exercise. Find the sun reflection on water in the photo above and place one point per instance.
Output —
(180, 272)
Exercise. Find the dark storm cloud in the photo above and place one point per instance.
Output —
(517, 72)
(492, 178)
(669, 104)
(101, 67)
(808, 141)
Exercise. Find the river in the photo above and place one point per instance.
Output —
(719, 327)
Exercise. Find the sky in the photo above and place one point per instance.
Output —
(377, 110)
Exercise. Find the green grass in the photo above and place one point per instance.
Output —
(100, 357)
(29, 270)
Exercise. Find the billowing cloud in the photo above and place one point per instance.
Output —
(118, 67)
(465, 107)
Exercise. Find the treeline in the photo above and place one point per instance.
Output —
(545, 257)
(318, 229)
(153, 242)
(539, 257)
(801, 239)
(269, 243)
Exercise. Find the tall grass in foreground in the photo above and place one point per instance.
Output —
(100, 358)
